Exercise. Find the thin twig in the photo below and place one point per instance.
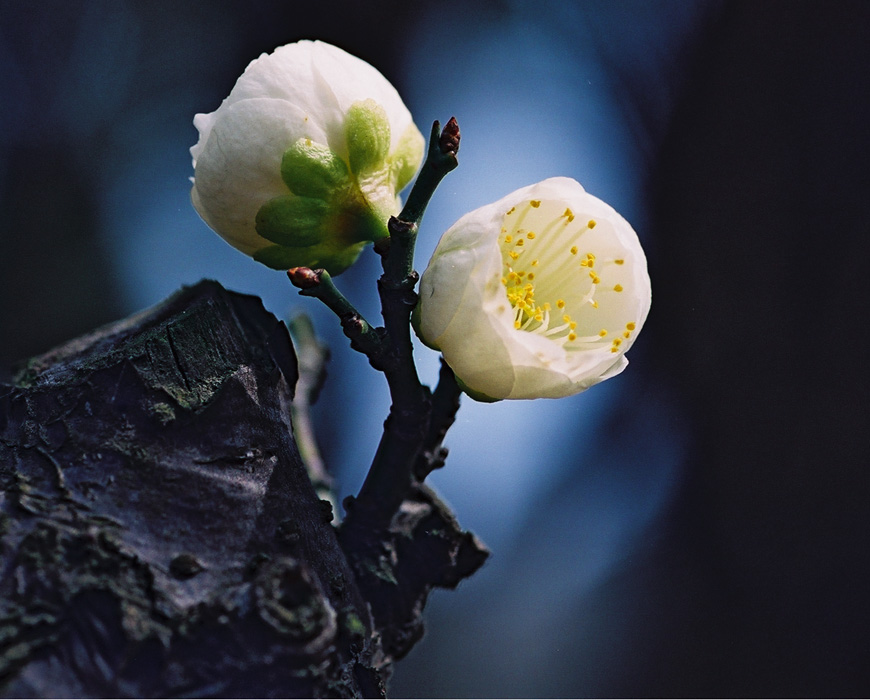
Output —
(312, 356)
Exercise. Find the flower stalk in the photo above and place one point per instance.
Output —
(363, 337)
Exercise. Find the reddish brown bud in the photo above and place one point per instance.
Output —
(304, 277)
(449, 141)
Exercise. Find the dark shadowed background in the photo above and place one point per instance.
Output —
(696, 526)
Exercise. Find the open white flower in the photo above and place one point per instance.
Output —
(302, 163)
(538, 295)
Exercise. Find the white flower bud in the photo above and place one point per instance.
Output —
(302, 163)
(538, 295)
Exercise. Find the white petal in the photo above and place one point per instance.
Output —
(237, 174)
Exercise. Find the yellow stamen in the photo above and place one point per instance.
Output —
(535, 204)
(617, 288)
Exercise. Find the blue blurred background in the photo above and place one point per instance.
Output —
(696, 526)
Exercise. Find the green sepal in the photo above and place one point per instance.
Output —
(313, 170)
(367, 131)
(334, 261)
(291, 221)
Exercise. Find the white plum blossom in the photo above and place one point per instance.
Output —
(538, 295)
(302, 162)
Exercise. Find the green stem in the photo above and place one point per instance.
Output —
(363, 336)
(440, 160)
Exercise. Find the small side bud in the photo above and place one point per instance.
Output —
(449, 141)
(382, 246)
(304, 277)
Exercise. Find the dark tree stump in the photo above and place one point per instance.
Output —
(160, 535)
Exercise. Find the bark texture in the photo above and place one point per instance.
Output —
(161, 536)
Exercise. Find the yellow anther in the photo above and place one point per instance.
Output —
(534, 263)
(539, 316)
(513, 276)
(504, 281)
(521, 242)
(602, 332)
(511, 211)
(535, 203)
(514, 254)
(620, 261)
(560, 303)
(591, 224)
(584, 263)
(614, 350)
(617, 288)
(630, 326)
(531, 235)
(617, 342)
(595, 278)
(572, 336)
(521, 274)
(573, 250)
(569, 215)
(517, 325)
(546, 306)
(566, 318)
(626, 335)
(594, 304)
(572, 325)
(508, 239)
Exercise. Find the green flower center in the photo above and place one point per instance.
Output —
(335, 206)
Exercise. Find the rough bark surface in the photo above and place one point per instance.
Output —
(160, 535)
